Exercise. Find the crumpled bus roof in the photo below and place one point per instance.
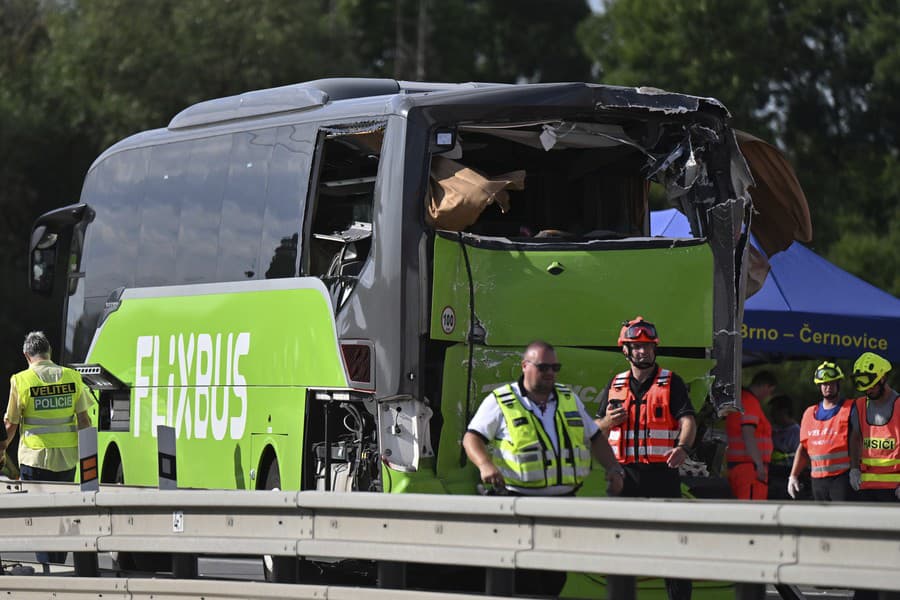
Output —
(322, 92)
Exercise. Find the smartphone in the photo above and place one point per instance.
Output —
(615, 403)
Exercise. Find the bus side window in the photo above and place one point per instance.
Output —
(340, 230)
(287, 188)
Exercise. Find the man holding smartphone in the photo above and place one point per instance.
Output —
(647, 415)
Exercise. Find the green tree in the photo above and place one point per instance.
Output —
(119, 66)
(28, 179)
(469, 40)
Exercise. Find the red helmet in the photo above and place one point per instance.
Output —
(638, 330)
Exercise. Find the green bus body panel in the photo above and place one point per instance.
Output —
(590, 586)
(228, 370)
(517, 299)
(587, 371)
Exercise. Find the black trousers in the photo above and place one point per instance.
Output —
(833, 489)
(29, 473)
(536, 582)
(657, 481)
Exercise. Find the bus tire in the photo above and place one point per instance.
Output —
(279, 569)
(112, 466)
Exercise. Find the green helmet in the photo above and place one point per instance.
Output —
(827, 371)
(868, 370)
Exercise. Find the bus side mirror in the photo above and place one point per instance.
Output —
(50, 239)
(42, 260)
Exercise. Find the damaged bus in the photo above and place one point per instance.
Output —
(316, 285)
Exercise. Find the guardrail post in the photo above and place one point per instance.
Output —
(499, 582)
(391, 575)
(621, 587)
(184, 566)
(165, 451)
(285, 569)
(85, 563)
(749, 591)
(788, 592)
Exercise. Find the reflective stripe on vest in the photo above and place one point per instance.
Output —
(650, 439)
(528, 459)
(880, 460)
(48, 419)
(826, 441)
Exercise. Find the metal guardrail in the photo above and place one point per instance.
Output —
(157, 589)
(843, 545)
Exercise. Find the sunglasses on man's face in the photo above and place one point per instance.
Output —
(544, 367)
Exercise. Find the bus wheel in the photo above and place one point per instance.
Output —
(112, 467)
(280, 569)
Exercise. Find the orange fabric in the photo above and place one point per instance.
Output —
(879, 442)
(753, 415)
(745, 485)
(657, 429)
(826, 441)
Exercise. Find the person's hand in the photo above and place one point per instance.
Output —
(761, 474)
(676, 457)
(614, 417)
(615, 481)
(491, 476)
(855, 477)
(793, 487)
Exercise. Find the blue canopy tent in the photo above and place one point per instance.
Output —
(808, 307)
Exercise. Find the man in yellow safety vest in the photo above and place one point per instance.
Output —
(533, 437)
(50, 403)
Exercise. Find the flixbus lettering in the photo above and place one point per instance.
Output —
(201, 373)
(270, 273)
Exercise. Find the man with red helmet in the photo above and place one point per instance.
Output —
(647, 415)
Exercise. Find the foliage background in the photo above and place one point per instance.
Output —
(820, 78)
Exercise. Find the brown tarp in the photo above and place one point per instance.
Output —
(757, 271)
(459, 194)
(781, 211)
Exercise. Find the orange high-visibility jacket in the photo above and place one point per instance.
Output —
(753, 415)
(880, 464)
(649, 439)
(826, 441)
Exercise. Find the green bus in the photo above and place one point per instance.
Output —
(315, 285)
